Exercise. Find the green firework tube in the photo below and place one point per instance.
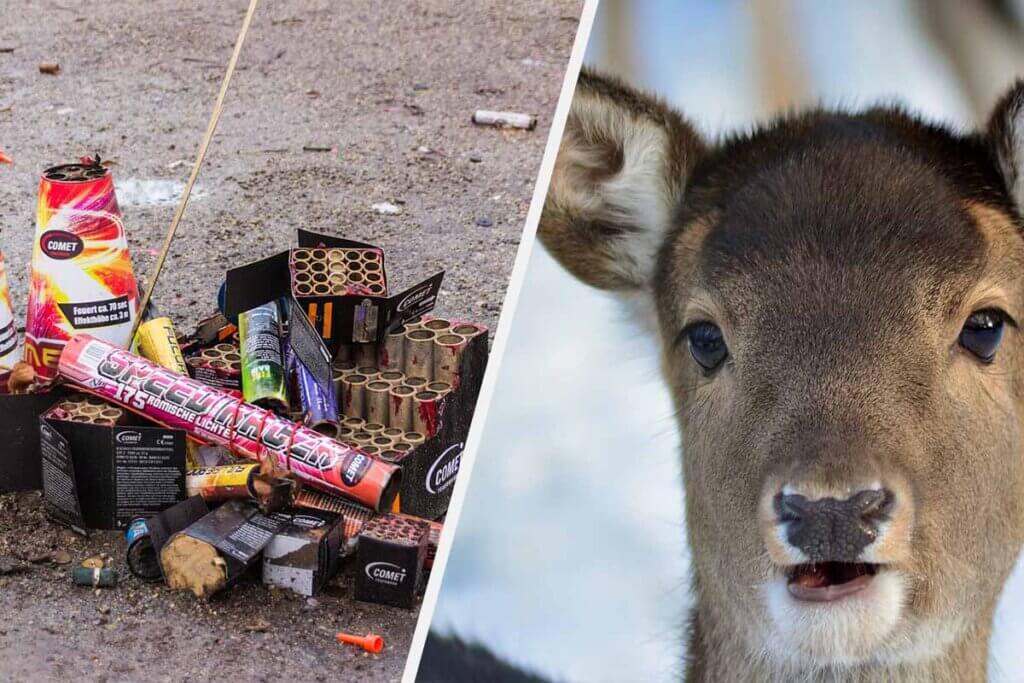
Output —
(263, 376)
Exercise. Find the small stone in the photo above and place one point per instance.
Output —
(475, 158)
(386, 209)
(484, 222)
(61, 557)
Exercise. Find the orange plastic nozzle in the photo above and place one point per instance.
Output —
(371, 642)
(4, 159)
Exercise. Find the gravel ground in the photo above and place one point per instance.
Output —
(387, 89)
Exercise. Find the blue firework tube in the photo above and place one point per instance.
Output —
(319, 403)
(264, 381)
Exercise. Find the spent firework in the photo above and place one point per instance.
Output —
(82, 277)
(214, 416)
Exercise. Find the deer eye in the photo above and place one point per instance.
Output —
(982, 333)
(706, 344)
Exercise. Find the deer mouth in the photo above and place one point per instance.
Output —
(829, 581)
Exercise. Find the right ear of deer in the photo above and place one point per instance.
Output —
(618, 180)
(1006, 135)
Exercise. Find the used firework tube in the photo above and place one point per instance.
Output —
(417, 383)
(419, 353)
(263, 375)
(414, 438)
(365, 354)
(142, 559)
(221, 419)
(354, 402)
(424, 414)
(377, 395)
(8, 330)
(82, 277)
(319, 407)
(437, 325)
(354, 515)
(443, 388)
(448, 351)
(468, 330)
(222, 482)
(392, 377)
(157, 341)
(400, 410)
(391, 353)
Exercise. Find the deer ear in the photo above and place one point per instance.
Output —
(617, 183)
(1006, 137)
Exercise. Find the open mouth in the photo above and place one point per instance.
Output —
(829, 581)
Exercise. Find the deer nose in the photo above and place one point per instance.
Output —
(833, 530)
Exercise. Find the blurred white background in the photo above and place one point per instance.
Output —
(570, 555)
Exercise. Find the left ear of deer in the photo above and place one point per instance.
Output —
(618, 180)
(1006, 135)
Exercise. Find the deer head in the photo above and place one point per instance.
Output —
(837, 298)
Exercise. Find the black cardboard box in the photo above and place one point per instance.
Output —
(339, 319)
(305, 553)
(430, 470)
(390, 559)
(20, 466)
(100, 477)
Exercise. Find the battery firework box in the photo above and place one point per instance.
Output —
(338, 319)
(100, 477)
(20, 467)
(389, 568)
(429, 471)
(305, 553)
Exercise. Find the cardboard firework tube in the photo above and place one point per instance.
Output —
(354, 423)
(417, 383)
(221, 419)
(374, 428)
(401, 406)
(437, 325)
(448, 350)
(393, 433)
(414, 323)
(443, 388)
(8, 330)
(222, 482)
(414, 438)
(392, 377)
(377, 395)
(370, 371)
(354, 403)
(354, 515)
(82, 277)
(263, 374)
(364, 354)
(468, 330)
(391, 354)
(419, 353)
(319, 406)
(424, 414)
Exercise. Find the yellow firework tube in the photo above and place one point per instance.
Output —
(223, 482)
(157, 342)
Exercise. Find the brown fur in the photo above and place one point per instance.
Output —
(840, 254)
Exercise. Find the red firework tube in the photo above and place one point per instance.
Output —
(216, 417)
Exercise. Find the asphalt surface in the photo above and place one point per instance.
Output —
(387, 89)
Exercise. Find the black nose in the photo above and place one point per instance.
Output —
(832, 530)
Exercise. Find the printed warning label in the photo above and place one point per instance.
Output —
(92, 314)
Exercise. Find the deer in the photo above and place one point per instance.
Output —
(838, 299)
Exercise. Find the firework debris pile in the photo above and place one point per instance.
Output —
(314, 424)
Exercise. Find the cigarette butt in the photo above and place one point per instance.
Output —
(377, 401)
(354, 401)
(419, 353)
(391, 355)
(448, 350)
(504, 119)
(400, 409)
(424, 415)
